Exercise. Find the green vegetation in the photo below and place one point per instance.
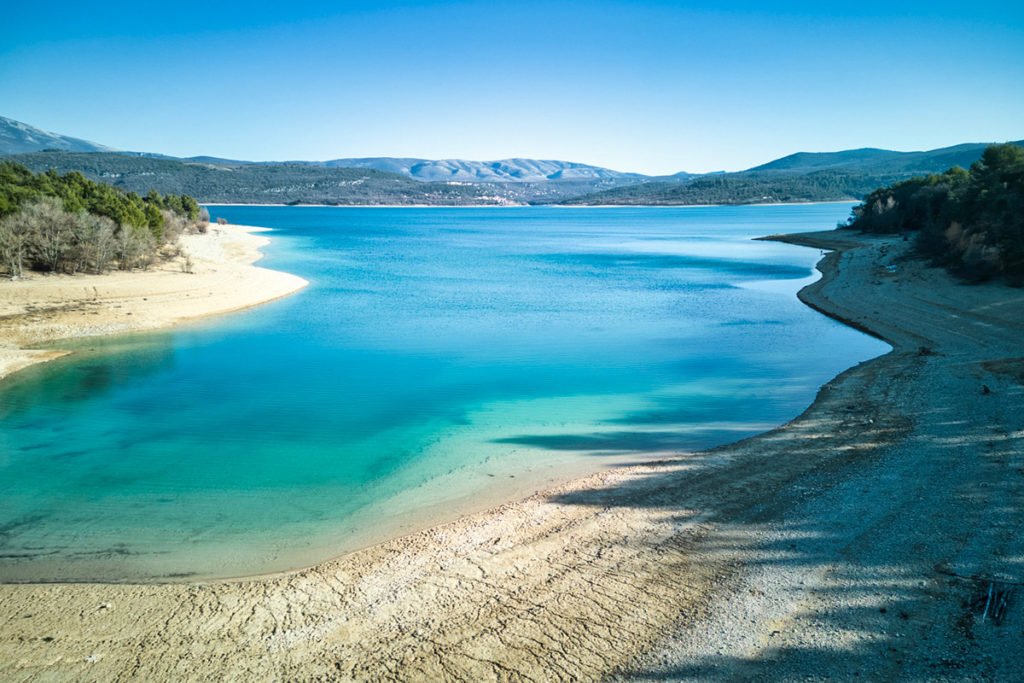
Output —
(971, 222)
(741, 188)
(68, 223)
(802, 177)
(256, 183)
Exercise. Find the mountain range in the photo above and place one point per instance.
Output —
(463, 170)
(451, 170)
(804, 176)
(20, 138)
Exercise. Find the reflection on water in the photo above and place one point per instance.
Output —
(440, 360)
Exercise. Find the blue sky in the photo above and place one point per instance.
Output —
(654, 87)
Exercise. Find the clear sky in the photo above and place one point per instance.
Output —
(654, 87)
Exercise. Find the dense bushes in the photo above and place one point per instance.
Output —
(71, 224)
(969, 221)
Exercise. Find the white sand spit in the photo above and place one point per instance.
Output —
(40, 309)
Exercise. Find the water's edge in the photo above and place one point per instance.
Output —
(827, 270)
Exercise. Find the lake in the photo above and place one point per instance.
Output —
(440, 362)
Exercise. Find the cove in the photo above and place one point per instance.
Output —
(441, 361)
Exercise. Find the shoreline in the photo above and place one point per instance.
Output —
(779, 553)
(43, 309)
(525, 206)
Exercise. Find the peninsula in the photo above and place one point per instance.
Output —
(42, 309)
(82, 258)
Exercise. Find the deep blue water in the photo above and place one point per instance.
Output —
(440, 360)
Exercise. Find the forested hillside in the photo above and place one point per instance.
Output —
(802, 177)
(741, 188)
(879, 161)
(969, 221)
(257, 183)
(68, 223)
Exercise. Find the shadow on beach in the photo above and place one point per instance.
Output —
(866, 538)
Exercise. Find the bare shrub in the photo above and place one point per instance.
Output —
(14, 245)
(176, 225)
(102, 242)
(93, 244)
(51, 233)
(136, 248)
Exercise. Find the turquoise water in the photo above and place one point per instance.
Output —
(441, 360)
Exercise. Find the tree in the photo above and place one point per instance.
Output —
(969, 221)
(192, 209)
(134, 248)
(98, 242)
(51, 231)
(14, 245)
(69, 223)
(155, 221)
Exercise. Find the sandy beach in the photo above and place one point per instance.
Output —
(41, 309)
(857, 540)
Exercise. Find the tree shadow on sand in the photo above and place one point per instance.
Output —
(859, 541)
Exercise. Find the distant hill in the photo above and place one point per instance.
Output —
(256, 183)
(808, 161)
(805, 176)
(457, 170)
(225, 181)
(500, 171)
(17, 138)
(373, 180)
(880, 161)
(740, 188)
(801, 177)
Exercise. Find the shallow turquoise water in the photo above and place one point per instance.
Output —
(442, 359)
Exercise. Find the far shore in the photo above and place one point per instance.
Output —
(41, 309)
(855, 541)
(521, 206)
